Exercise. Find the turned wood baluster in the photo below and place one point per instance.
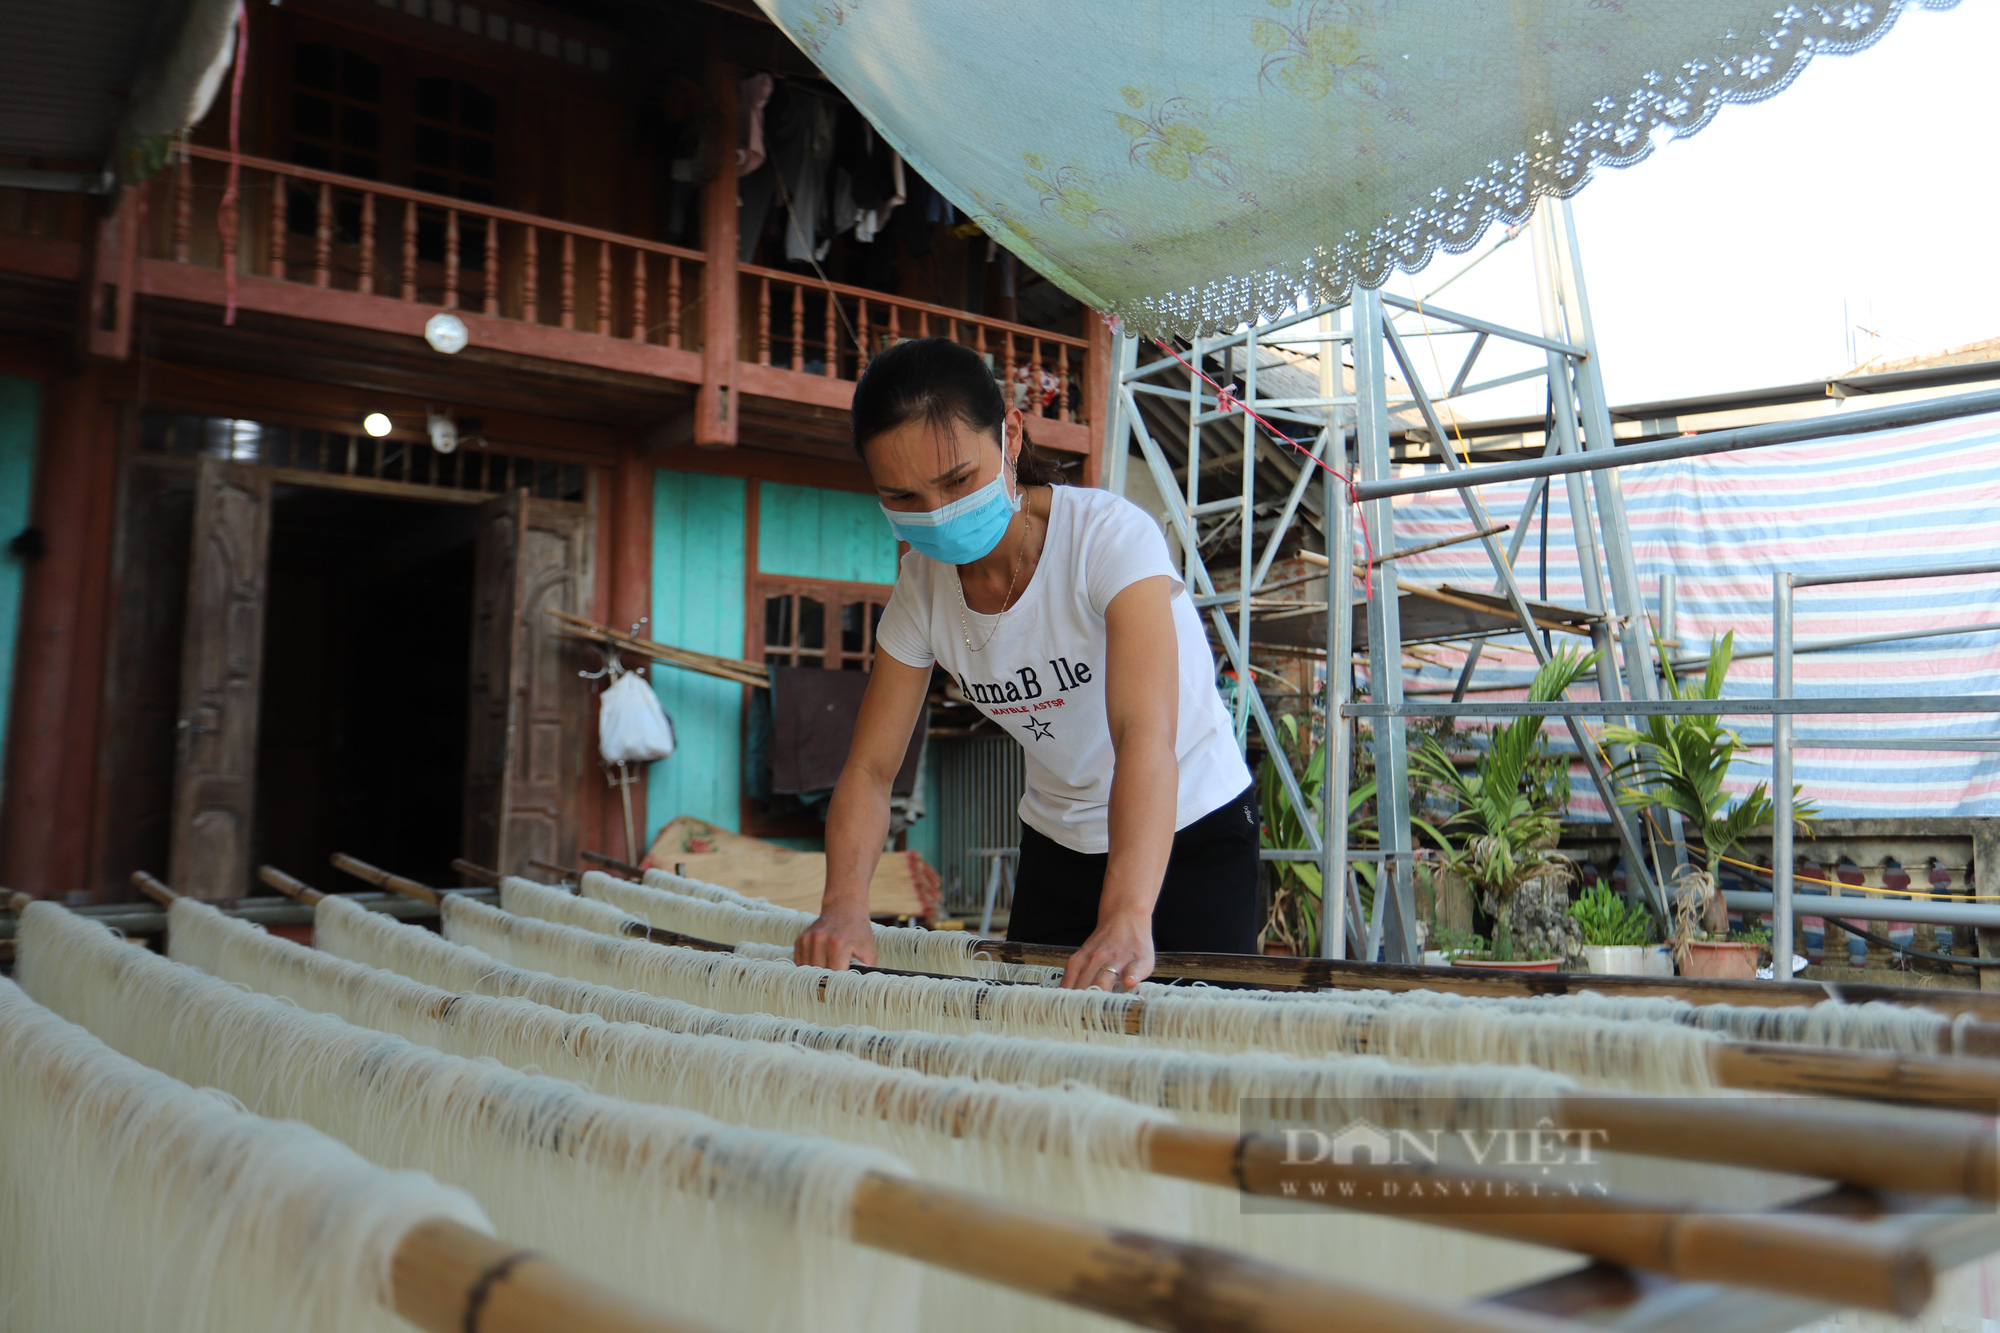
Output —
(639, 296)
(798, 328)
(764, 321)
(276, 267)
(673, 300)
(895, 325)
(832, 370)
(409, 250)
(604, 287)
(490, 299)
(451, 259)
(531, 278)
(861, 327)
(323, 238)
(569, 280)
(183, 209)
(1062, 383)
(365, 280)
(923, 323)
(1007, 368)
(1035, 377)
(979, 340)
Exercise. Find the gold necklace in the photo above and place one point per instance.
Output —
(964, 624)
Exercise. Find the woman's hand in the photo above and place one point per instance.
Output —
(833, 938)
(1117, 956)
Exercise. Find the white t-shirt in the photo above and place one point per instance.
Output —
(1041, 677)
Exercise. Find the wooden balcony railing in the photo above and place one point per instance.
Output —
(314, 245)
(832, 331)
(319, 229)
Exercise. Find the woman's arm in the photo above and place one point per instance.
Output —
(857, 821)
(1142, 705)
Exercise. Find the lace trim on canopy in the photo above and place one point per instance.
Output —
(1617, 134)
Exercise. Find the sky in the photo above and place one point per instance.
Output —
(1855, 211)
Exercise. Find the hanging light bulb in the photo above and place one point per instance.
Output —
(376, 424)
(444, 431)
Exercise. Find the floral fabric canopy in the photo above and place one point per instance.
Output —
(1189, 165)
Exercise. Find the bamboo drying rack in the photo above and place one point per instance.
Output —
(1330, 973)
(1161, 1283)
(1921, 1150)
(1967, 1082)
(1805, 1256)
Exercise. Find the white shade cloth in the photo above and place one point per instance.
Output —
(1188, 165)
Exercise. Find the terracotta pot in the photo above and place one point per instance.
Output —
(1277, 949)
(1532, 965)
(1721, 958)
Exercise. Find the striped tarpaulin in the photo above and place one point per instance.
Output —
(1723, 525)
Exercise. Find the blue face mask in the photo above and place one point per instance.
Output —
(963, 531)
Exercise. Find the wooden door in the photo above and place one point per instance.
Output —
(528, 729)
(222, 658)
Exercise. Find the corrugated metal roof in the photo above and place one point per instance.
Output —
(65, 69)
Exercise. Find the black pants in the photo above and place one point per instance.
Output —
(1208, 902)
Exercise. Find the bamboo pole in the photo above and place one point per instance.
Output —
(448, 1278)
(708, 664)
(382, 879)
(289, 886)
(568, 873)
(153, 888)
(1136, 1277)
(1806, 1257)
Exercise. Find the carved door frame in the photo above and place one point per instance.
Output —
(222, 670)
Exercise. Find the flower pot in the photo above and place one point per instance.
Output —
(1277, 949)
(1656, 960)
(1721, 958)
(1624, 960)
(1526, 965)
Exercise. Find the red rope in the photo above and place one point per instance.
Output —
(225, 219)
(1227, 401)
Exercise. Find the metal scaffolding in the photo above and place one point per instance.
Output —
(1348, 431)
(1340, 432)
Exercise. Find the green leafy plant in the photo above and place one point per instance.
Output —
(1458, 941)
(1680, 763)
(1507, 817)
(1608, 919)
(1295, 890)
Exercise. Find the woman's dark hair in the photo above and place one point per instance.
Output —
(941, 383)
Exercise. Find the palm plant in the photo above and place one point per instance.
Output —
(1680, 763)
(1295, 895)
(1509, 812)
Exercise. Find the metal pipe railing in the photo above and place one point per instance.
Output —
(1692, 446)
(1783, 813)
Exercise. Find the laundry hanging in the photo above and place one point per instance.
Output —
(1189, 166)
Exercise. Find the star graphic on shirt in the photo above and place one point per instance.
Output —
(1038, 728)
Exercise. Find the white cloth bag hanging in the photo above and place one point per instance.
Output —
(632, 728)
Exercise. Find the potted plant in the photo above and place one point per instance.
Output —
(1508, 815)
(1617, 935)
(1681, 763)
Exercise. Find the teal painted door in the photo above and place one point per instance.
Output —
(698, 591)
(805, 533)
(20, 410)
